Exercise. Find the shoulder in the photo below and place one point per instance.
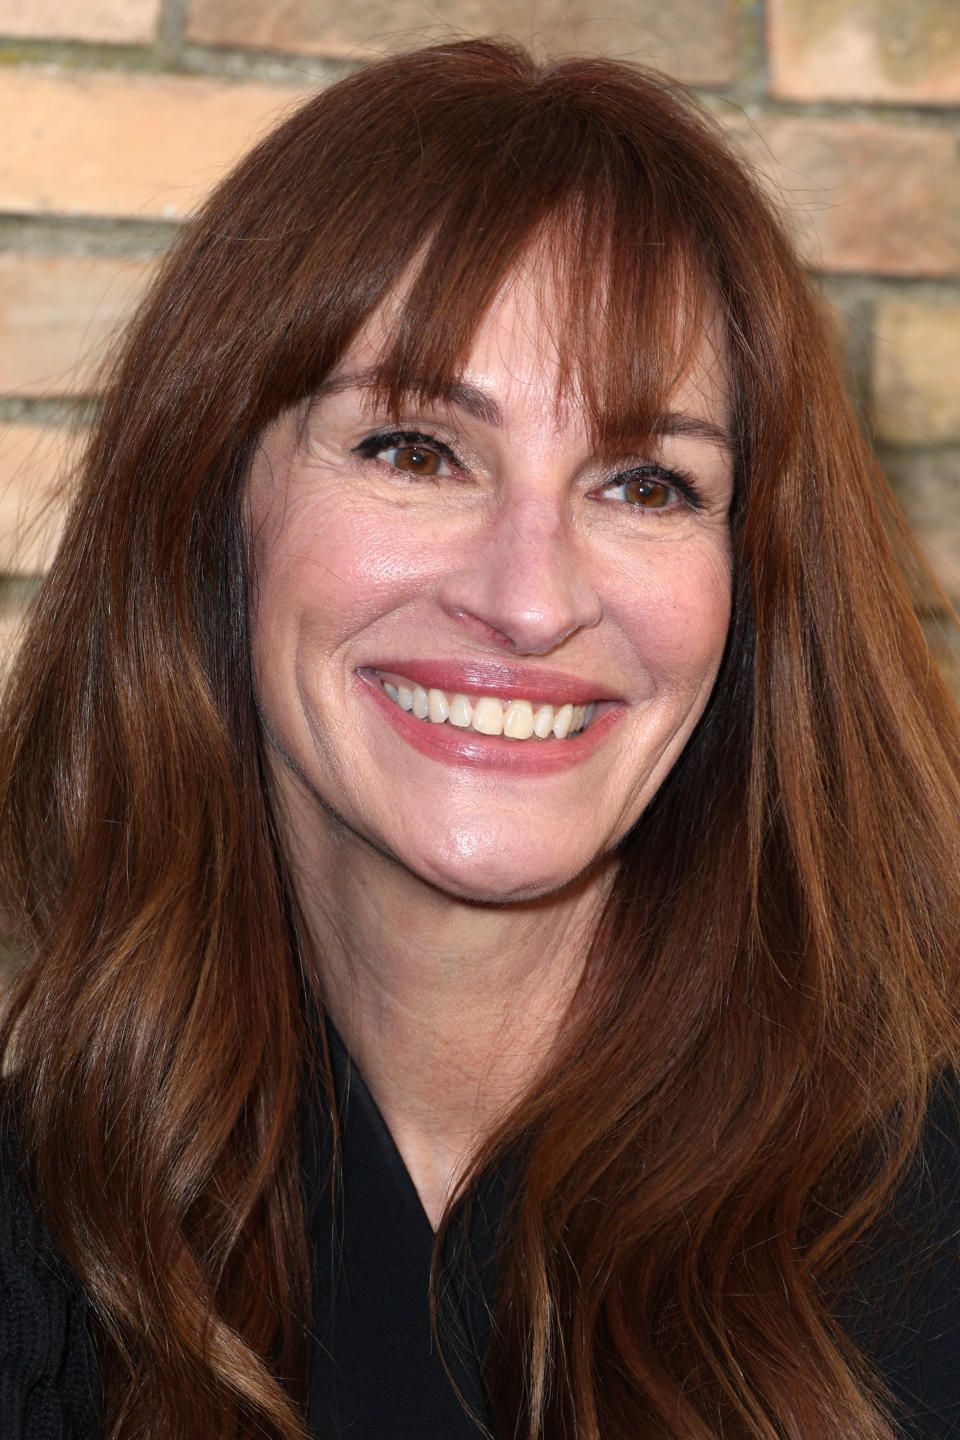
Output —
(48, 1374)
(903, 1308)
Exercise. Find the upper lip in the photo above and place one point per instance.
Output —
(497, 677)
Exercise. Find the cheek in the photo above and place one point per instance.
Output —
(677, 614)
(332, 567)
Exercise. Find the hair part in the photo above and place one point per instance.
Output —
(773, 983)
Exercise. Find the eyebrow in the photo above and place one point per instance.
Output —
(483, 407)
(466, 397)
(680, 422)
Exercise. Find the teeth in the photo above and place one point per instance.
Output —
(562, 721)
(488, 715)
(438, 707)
(543, 722)
(518, 720)
(461, 712)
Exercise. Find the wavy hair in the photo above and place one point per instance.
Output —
(774, 981)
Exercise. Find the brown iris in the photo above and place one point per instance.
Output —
(647, 492)
(416, 460)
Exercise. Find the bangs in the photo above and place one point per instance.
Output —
(609, 193)
(622, 314)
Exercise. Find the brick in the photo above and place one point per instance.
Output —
(34, 463)
(916, 372)
(57, 314)
(944, 643)
(927, 486)
(865, 50)
(880, 197)
(691, 38)
(13, 608)
(95, 143)
(16, 596)
(128, 22)
(862, 197)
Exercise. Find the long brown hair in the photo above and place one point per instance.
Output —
(774, 981)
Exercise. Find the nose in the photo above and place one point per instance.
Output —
(524, 583)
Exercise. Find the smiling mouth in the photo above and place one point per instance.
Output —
(515, 719)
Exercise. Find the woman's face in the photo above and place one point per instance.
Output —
(435, 594)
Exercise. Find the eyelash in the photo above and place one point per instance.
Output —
(678, 480)
(370, 448)
(683, 485)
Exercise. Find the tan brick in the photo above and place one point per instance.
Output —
(57, 313)
(34, 469)
(691, 38)
(916, 387)
(865, 50)
(16, 596)
(944, 643)
(874, 197)
(118, 21)
(12, 614)
(88, 142)
(927, 486)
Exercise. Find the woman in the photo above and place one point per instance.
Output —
(476, 626)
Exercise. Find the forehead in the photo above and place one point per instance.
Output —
(524, 351)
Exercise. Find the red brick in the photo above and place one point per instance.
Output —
(33, 469)
(691, 38)
(127, 22)
(57, 313)
(874, 197)
(865, 50)
(95, 143)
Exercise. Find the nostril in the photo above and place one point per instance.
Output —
(484, 630)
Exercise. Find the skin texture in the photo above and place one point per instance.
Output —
(450, 901)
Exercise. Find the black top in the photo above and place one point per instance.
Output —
(376, 1373)
(904, 1309)
(376, 1370)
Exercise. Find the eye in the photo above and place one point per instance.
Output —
(409, 452)
(652, 487)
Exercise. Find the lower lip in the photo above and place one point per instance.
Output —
(454, 746)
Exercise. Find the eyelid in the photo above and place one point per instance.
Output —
(679, 480)
(386, 439)
(683, 483)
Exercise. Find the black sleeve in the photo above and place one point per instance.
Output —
(49, 1386)
(904, 1308)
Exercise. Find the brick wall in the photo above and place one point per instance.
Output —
(117, 115)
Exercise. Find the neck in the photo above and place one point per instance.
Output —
(448, 1006)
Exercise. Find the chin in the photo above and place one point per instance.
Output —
(496, 890)
(491, 880)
